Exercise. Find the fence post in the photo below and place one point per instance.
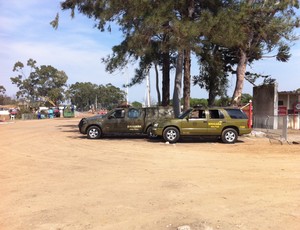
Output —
(284, 128)
(250, 115)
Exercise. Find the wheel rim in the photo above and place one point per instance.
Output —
(230, 136)
(93, 133)
(171, 135)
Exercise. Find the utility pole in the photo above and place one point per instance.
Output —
(148, 103)
(96, 102)
(127, 79)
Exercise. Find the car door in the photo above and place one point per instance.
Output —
(135, 120)
(115, 122)
(195, 123)
(216, 122)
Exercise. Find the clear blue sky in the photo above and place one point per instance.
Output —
(76, 47)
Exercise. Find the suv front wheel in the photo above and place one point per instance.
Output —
(94, 132)
(171, 134)
(229, 136)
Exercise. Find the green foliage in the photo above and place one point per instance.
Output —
(283, 54)
(245, 30)
(82, 94)
(2, 90)
(213, 74)
(4, 99)
(252, 77)
(198, 102)
(226, 101)
(246, 98)
(137, 104)
(253, 29)
(86, 94)
(223, 101)
(54, 23)
(152, 30)
(43, 81)
(110, 96)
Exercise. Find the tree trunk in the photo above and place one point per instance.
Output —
(211, 98)
(240, 76)
(157, 85)
(187, 60)
(187, 79)
(166, 79)
(178, 84)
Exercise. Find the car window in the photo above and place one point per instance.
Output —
(215, 114)
(194, 114)
(184, 114)
(197, 114)
(119, 113)
(236, 114)
(133, 113)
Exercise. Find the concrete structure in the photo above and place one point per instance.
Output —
(265, 103)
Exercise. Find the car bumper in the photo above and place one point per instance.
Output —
(245, 131)
(82, 126)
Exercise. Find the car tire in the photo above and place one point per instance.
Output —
(94, 132)
(150, 134)
(229, 136)
(171, 134)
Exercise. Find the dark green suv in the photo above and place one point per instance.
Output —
(123, 121)
(227, 123)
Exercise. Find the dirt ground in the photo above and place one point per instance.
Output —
(54, 178)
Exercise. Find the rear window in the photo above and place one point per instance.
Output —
(215, 114)
(236, 114)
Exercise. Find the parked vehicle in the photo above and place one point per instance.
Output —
(56, 112)
(227, 123)
(123, 121)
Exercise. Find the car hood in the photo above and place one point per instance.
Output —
(96, 117)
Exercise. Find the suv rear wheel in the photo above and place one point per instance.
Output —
(94, 132)
(171, 134)
(229, 135)
(150, 134)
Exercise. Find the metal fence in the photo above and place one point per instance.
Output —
(28, 116)
(276, 127)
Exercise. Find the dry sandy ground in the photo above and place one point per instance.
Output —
(52, 177)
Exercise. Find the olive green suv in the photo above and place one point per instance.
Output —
(123, 121)
(227, 123)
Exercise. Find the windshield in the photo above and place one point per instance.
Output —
(184, 114)
(97, 116)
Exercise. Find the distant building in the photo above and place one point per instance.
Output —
(267, 101)
(288, 102)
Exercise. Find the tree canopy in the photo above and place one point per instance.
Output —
(42, 82)
(86, 94)
(251, 29)
(155, 31)
(2, 90)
